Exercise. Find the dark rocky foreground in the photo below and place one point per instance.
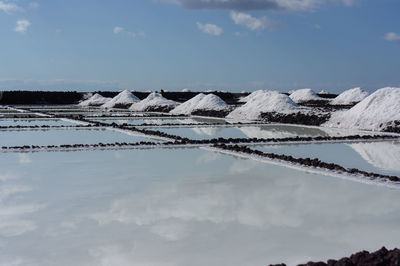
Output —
(382, 257)
(212, 113)
(393, 127)
(295, 118)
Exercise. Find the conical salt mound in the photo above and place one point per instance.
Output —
(123, 99)
(95, 100)
(154, 102)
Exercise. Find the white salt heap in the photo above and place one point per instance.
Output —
(201, 101)
(123, 98)
(153, 100)
(304, 95)
(251, 96)
(373, 113)
(211, 102)
(350, 97)
(95, 100)
(266, 101)
(187, 107)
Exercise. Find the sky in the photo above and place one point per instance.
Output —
(230, 45)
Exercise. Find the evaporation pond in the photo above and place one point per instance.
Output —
(35, 122)
(161, 121)
(65, 136)
(378, 157)
(182, 207)
(264, 131)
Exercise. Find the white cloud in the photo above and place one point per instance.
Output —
(118, 29)
(22, 25)
(349, 2)
(253, 23)
(121, 30)
(210, 29)
(33, 4)
(317, 26)
(8, 7)
(392, 36)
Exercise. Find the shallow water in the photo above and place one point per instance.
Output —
(142, 121)
(378, 157)
(31, 122)
(264, 131)
(65, 136)
(160, 121)
(182, 207)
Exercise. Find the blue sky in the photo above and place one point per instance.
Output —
(174, 44)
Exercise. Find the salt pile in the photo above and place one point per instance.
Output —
(265, 102)
(304, 95)
(251, 96)
(376, 112)
(187, 107)
(350, 97)
(153, 102)
(211, 102)
(95, 100)
(202, 102)
(124, 98)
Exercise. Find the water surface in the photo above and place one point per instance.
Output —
(378, 157)
(182, 207)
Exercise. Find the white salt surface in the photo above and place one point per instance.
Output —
(123, 98)
(209, 102)
(187, 107)
(263, 102)
(350, 96)
(252, 95)
(95, 100)
(153, 100)
(373, 113)
(304, 95)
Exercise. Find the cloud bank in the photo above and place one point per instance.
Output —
(266, 5)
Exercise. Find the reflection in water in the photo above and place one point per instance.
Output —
(192, 211)
(286, 131)
(13, 215)
(383, 155)
(209, 131)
